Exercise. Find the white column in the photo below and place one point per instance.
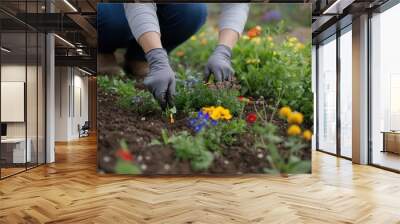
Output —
(360, 90)
(50, 92)
(50, 98)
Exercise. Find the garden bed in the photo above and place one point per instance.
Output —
(253, 125)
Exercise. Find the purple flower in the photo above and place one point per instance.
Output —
(213, 122)
(198, 128)
(192, 121)
(272, 16)
(200, 114)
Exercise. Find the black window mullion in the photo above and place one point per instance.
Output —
(338, 98)
(26, 86)
(317, 97)
(37, 90)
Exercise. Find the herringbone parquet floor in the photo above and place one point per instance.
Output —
(70, 191)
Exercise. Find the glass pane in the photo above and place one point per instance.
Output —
(31, 97)
(346, 94)
(386, 89)
(13, 86)
(327, 97)
(41, 99)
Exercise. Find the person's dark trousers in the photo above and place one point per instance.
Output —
(178, 22)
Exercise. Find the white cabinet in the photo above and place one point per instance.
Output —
(19, 155)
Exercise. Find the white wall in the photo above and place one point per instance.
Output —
(71, 103)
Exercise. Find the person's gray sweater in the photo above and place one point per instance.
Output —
(142, 17)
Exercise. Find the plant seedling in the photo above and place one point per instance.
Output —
(170, 113)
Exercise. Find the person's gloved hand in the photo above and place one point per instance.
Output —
(219, 64)
(161, 79)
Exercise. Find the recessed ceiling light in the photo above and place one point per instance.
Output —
(70, 5)
(5, 50)
(84, 71)
(64, 40)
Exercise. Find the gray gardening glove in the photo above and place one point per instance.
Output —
(219, 64)
(161, 79)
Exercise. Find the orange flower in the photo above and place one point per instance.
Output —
(254, 32)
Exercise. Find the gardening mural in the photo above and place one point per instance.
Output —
(204, 88)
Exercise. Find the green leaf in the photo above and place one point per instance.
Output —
(124, 167)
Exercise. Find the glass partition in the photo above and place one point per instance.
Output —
(346, 93)
(327, 96)
(32, 96)
(22, 77)
(14, 153)
(385, 89)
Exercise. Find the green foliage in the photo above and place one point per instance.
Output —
(273, 66)
(283, 161)
(188, 147)
(125, 167)
(129, 97)
(224, 133)
(198, 96)
(279, 72)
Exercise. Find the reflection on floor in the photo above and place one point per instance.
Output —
(386, 159)
(10, 171)
(71, 191)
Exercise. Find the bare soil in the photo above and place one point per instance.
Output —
(115, 123)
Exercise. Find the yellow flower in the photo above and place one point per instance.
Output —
(295, 118)
(256, 40)
(253, 61)
(293, 39)
(215, 115)
(269, 38)
(203, 41)
(285, 111)
(219, 109)
(298, 46)
(208, 110)
(226, 114)
(294, 130)
(245, 37)
(194, 38)
(307, 135)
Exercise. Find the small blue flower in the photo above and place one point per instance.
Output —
(214, 123)
(200, 114)
(198, 128)
(192, 121)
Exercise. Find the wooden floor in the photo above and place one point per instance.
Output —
(70, 191)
